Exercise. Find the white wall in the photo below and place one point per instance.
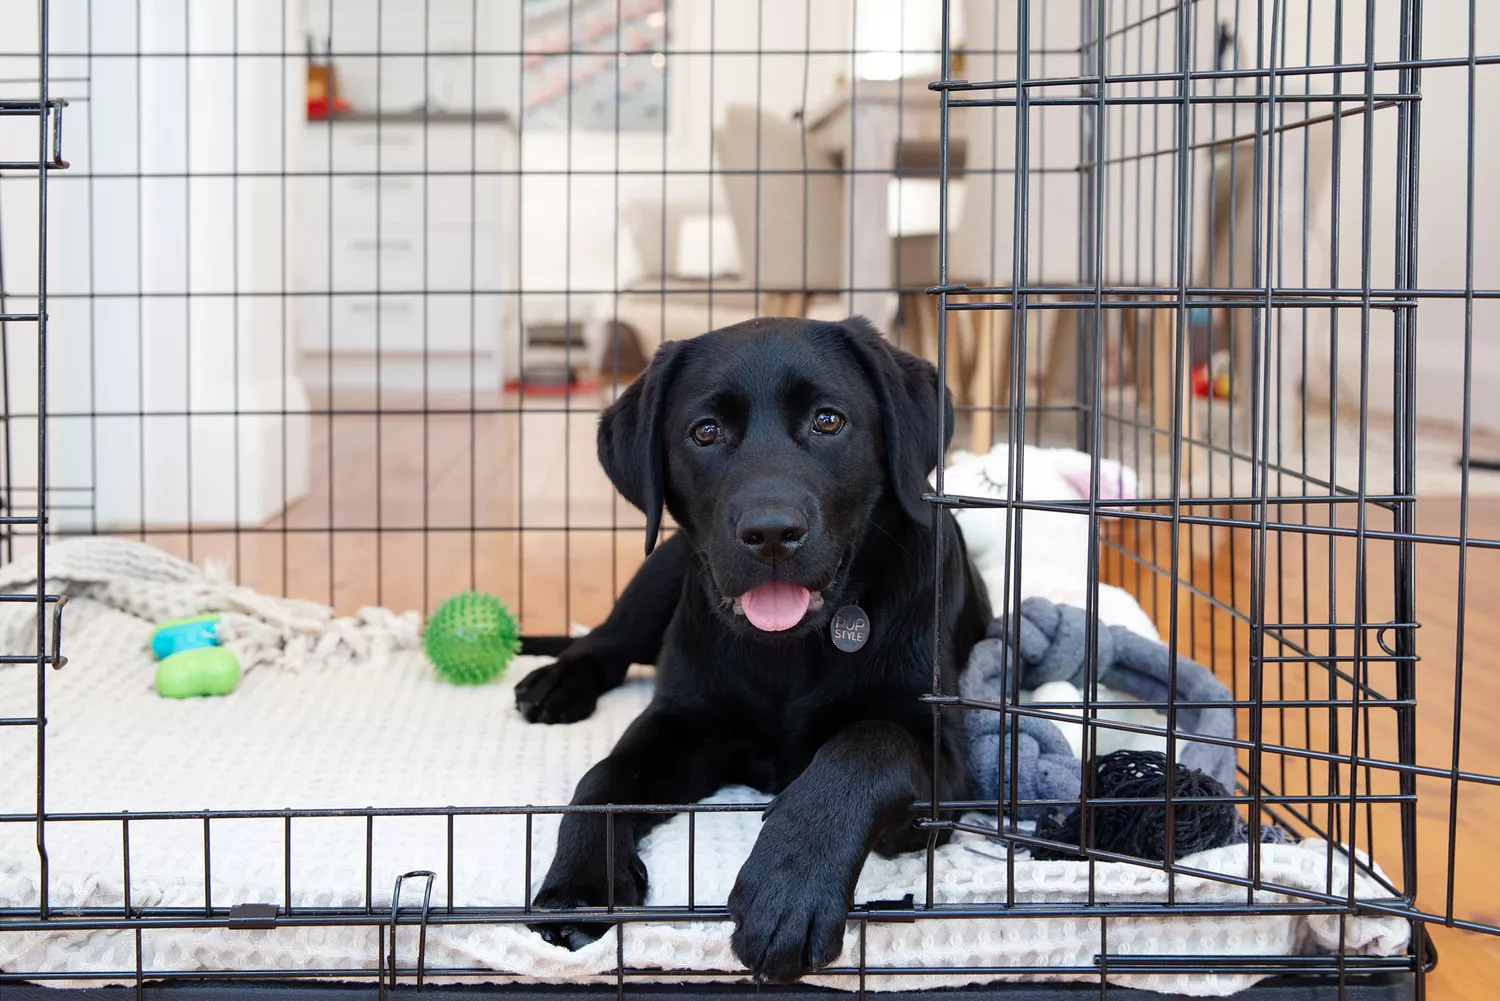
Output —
(18, 256)
(155, 281)
(1441, 233)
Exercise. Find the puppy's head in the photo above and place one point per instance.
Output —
(773, 443)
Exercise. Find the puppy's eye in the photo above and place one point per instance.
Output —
(828, 422)
(706, 432)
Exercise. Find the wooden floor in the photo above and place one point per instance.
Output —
(407, 509)
(1306, 583)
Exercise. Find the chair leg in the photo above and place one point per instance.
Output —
(991, 379)
(960, 373)
(1059, 374)
(1141, 348)
(982, 379)
(1002, 346)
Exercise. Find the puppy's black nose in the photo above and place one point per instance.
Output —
(772, 532)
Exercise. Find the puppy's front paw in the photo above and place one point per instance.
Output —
(565, 691)
(567, 893)
(789, 913)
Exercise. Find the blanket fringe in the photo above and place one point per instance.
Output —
(154, 586)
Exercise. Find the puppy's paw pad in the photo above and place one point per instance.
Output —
(571, 891)
(573, 935)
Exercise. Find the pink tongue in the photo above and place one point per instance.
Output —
(775, 605)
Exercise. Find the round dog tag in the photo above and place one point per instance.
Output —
(850, 628)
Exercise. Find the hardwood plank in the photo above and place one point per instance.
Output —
(1310, 580)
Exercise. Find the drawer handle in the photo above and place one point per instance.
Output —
(366, 182)
(371, 305)
(379, 244)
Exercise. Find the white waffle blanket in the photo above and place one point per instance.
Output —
(380, 731)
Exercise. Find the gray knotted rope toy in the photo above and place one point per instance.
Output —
(1052, 644)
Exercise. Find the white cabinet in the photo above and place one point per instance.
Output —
(408, 251)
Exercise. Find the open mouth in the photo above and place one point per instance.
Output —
(777, 605)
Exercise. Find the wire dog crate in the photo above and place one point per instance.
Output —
(355, 354)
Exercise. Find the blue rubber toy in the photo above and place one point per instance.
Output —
(185, 634)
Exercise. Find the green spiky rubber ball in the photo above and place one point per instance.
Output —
(471, 638)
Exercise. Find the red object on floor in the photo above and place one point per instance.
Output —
(1207, 383)
(1200, 379)
(550, 388)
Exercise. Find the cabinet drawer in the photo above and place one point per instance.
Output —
(390, 262)
(353, 203)
(440, 324)
(406, 147)
(406, 260)
(362, 202)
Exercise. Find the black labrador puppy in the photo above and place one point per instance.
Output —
(793, 456)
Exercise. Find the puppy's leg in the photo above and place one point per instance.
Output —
(661, 759)
(567, 690)
(792, 898)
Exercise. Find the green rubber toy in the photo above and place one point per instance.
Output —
(471, 638)
(206, 670)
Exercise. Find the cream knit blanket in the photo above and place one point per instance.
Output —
(345, 713)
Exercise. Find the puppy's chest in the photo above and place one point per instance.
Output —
(779, 707)
(781, 737)
(794, 707)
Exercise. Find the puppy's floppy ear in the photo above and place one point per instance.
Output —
(909, 392)
(630, 438)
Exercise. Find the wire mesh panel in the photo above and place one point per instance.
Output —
(1241, 303)
(30, 149)
(337, 290)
